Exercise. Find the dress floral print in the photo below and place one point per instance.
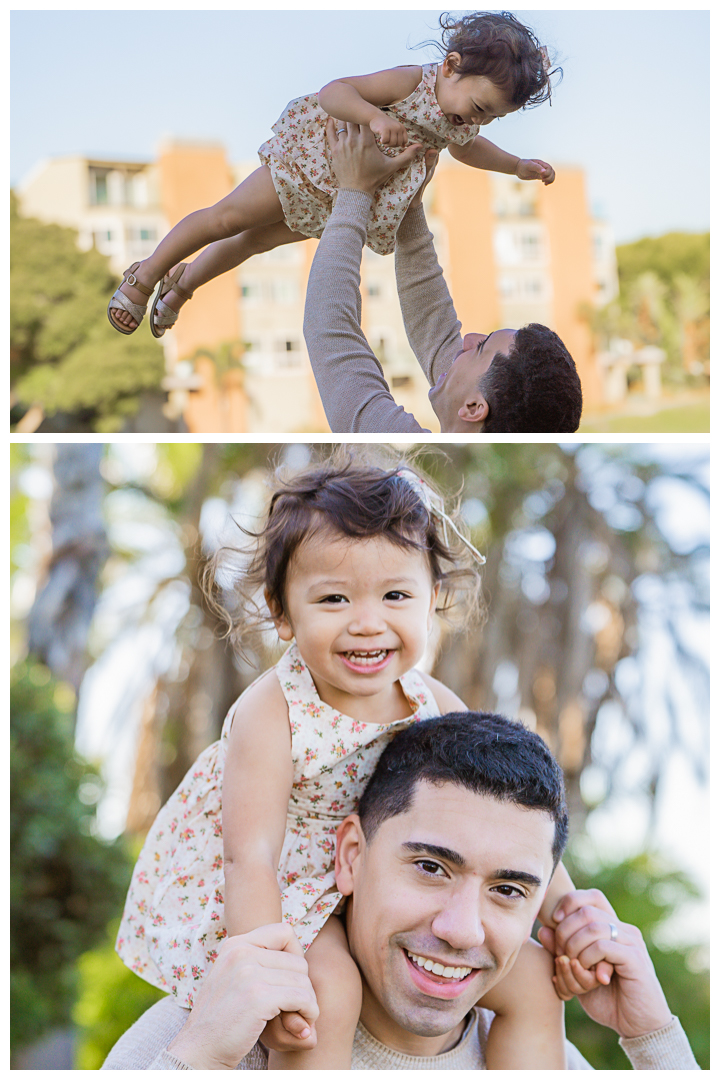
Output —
(173, 920)
(301, 168)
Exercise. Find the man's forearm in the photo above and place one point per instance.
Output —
(354, 393)
(431, 323)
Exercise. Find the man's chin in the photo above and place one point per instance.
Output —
(432, 1006)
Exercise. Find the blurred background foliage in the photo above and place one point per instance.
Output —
(664, 300)
(66, 361)
(597, 593)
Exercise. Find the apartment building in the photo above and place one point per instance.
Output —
(512, 252)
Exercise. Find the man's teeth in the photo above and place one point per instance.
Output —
(439, 969)
(367, 657)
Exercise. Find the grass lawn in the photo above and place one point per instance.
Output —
(693, 416)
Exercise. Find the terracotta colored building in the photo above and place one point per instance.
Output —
(513, 253)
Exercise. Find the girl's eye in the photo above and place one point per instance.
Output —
(396, 595)
(334, 599)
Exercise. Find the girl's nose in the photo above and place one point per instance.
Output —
(367, 619)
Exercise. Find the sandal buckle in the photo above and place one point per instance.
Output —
(131, 279)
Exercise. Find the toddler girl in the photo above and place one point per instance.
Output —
(353, 561)
(493, 66)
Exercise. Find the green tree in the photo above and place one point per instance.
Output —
(65, 358)
(665, 292)
(66, 885)
(646, 892)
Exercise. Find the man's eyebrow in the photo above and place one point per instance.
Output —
(446, 854)
(520, 876)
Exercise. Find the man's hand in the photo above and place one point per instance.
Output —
(632, 1002)
(535, 169)
(358, 162)
(255, 977)
(390, 131)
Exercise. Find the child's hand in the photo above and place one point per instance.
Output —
(389, 131)
(571, 979)
(283, 1033)
(535, 169)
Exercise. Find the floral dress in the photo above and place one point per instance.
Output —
(301, 168)
(173, 920)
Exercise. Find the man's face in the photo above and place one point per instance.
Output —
(456, 880)
(455, 397)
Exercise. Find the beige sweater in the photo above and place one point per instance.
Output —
(353, 389)
(143, 1047)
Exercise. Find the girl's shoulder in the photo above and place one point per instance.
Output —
(447, 700)
(263, 700)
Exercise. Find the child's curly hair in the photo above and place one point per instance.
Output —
(502, 49)
(345, 496)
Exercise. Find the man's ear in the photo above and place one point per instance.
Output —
(278, 616)
(349, 844)
(475, 410)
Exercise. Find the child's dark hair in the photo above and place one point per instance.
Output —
(346, 496)
(500, 47)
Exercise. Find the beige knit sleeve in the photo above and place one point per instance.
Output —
(667, 1048)
(431, 324)
(350, 379)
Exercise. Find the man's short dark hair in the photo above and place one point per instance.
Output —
(535, 387)
(483, 752)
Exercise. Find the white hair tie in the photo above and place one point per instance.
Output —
(434, 505)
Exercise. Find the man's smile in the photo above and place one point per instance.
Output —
(447, 983)
(439, 969)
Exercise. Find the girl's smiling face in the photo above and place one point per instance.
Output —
(360, 612)
(468, 99)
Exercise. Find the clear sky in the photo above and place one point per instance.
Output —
(632, 109)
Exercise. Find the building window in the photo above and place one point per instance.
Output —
(284, 291)
(98, 189)
(530, 247)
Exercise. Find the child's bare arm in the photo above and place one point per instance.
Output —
(560, 885)
(528, 1031)
(257, 781)
(482, 154)
(359, 99)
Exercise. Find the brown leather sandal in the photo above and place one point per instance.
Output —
(120, 302)
(162, 317)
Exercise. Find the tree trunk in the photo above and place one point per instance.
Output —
(60, 618)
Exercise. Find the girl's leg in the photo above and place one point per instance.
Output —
(338, 987)
(225, 255)
(252, 204)
(528, 1030)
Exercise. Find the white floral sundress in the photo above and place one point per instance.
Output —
(301, 168)
(173, 921)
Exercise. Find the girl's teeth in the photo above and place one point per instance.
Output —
(367, 657)
(440, 969)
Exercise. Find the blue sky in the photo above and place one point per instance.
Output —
(632, 109)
